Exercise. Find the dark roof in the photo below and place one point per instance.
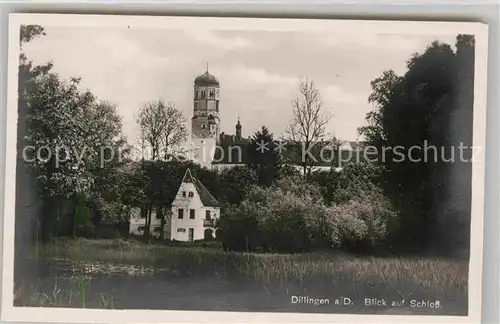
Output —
(357, 145)
(232, 151)
(206, 197)
(206, 79)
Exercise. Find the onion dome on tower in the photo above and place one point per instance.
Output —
(206, 79)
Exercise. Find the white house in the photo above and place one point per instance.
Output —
(193, 217)
(194, 211)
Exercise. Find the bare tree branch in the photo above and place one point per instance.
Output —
(162, 129)
(308, 124)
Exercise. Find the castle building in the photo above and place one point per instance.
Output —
(217, 150)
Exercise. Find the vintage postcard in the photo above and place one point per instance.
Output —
(189, 169)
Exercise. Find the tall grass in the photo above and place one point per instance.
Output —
(33, 295)
(345, 272)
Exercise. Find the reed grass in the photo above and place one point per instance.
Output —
(346, 272)
(75, 296)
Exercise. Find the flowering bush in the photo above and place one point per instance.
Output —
(292, 216)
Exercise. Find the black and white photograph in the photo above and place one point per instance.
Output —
(279, 170)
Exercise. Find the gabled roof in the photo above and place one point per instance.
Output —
(206, 197)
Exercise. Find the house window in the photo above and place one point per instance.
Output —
(191, 194)
(191, 213)
(183, 194)
(181, 230)
(181, 213)
(207, 215)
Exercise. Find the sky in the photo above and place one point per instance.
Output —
(259, 71)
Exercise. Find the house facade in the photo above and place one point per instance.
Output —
(194, 212)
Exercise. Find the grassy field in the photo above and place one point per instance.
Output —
(348, 274)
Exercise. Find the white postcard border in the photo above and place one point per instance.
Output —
(31, 314)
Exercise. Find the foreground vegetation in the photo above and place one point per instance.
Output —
(342, 272)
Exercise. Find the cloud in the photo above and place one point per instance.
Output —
(211, 38)
(373, 40)
(240, 77)
(334, 94)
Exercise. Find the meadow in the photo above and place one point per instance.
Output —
(318, 273)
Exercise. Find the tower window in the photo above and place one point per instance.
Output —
(211, 93)
(196, 105)
(203, 126)
(203, 93)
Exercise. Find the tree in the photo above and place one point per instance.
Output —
(414, 110)
(74, 131)
(235, 183)
(162, 129)
(263, 157)
(308, 123)
(175, 132)
(162, 132)
(151, 120)
(28, 205)
(68, 139)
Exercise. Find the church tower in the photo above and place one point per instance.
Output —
(238, 130)
(205, 123)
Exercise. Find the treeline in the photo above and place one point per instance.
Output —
(267, 205)
(431, 104)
